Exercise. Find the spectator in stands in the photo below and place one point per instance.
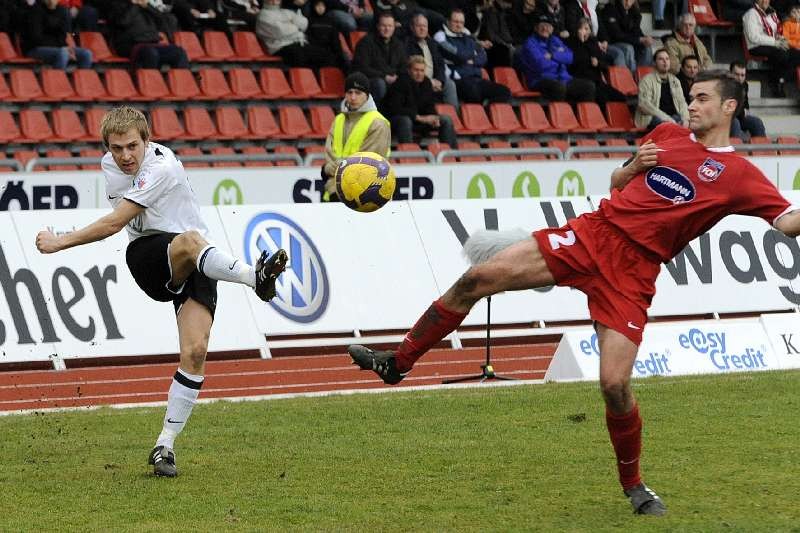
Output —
(322, 32)
(494, 33)
(380, 55)
(409, 104)
(241, 12)
(283, 33)
(791, 27)
(623, 22)
(544, 60)
(683, 42)
(44, 37)
(575, 10)
(199, 15)
(134, 34)
(350, 15)
(465, 57)
(443, 8)
(421, 43)
(589, 63)
(744, 121)
(403, 10)
(763, 38)
(660, 96)
(300, 6)
(690, 66)
(359, 127)
(81, 17)
(522, 18)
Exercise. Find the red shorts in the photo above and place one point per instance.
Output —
(617, 275)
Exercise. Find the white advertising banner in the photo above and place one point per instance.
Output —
(444, 226)
(783, 330)
(84, 302)
(703, 347)
(51, 190)
(347, 270)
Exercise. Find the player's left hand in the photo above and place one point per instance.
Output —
(47, 242)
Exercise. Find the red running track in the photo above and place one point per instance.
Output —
(134, 384)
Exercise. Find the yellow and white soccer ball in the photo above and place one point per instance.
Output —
(365, 181)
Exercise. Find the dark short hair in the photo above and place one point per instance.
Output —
(689, 58)
(727, 85)
(737, 64)
(660, 51)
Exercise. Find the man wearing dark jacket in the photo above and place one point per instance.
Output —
(44, 36)
(421, 43)
(623, 24)
(409, 104)
(135, 35)
(380, 55)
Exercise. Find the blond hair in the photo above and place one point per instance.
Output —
(120, 120)
(415, 60)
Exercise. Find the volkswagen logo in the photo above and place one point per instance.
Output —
(302, 290)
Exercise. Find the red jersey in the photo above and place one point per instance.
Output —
(690, 189)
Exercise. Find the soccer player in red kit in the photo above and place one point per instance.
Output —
(678, 185)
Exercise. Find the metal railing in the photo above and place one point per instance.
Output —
(209, 158)
(13, 163)
(545, 150)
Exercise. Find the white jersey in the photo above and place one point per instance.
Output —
(161, 187)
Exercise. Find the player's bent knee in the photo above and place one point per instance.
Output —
(195, 352)
(616, 393)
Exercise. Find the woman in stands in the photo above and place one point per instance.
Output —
(589, 63)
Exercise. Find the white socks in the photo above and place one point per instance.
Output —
(217, 264)
(182, 396)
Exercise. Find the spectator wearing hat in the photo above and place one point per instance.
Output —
(544, 61)
(359, 127)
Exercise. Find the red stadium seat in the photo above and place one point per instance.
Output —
(355, 36)
(213, 84)
(191, 44)
(224, 150)
(274, 83)
(561, 144)
(23, 156)
(450, 111)
(497, 157)
(293, 122)
(9, 53)
(262, 124)
(67, 126)
(619, 116)
(315, 149)
(642, 71)
(304, 84)
(502, 113)
(217, 46)
(152, 85)
(92, 117)
(285, 149)
(508, 76)
(475, 120)
(590, 117)
(252, 150)
(88, 86)
(762, 140)
(244, 84)
(470, 145)
(409, 147)
(588, 143)
(530, 143)
(165, 124)
(56, 85)
(788, 139)
(101, 52)
(5, 90)
(25, 86)
(198, 123)
(622, 80)
(562, 117)
(182, 84)
(61, 167)
(331, 81)
(321, 120)
(34, 125)
(120, 85)
(191, 150)
(248, 47)
(91, 152)
(230, 123)
(533, 119)
(9, 131)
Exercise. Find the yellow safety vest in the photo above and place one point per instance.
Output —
(357, 134)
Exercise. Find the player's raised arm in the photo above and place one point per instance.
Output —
(47, 242)
(646, 157)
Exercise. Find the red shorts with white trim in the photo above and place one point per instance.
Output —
(617, 275)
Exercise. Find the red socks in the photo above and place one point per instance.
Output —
(626, 437)
(434, 325)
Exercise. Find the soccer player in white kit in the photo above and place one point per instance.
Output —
(168, 255)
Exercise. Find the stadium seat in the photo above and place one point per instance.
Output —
(346, 50)
(91, 152)
(590, 117)
(224, 150)
(120, 85)
(8, 53)
(217, 46)
(67, 126)
(562, 117)
(762, 140)
(474, 118)
(152, 85)
(588, 143)
(34, 126)
(533, 119)
(642, 71)
(561, 144)
(230, 123)
(293, 122)
(622, 80)
(101, 52)
(56, 85)
(508, 76)
(788, 139)
(751, 61)
(88, 86)
(355, 36)
(92, 118)
(470, 145)
(321, 120)
(183, 85)
(450, 111)
(435, 147)
(25, 87)
(165, 124)
(315, 149)
(285, 149)
(252, 150)
(502, 113)
(23, 156)
(500, 144)
(708, 23)
(619, 116)
(248, 48)
(62, 167)
(303, 83)
(213, 84)
(191, 44)
(530, 143)
(5, 90)
(9, 131)
(198, 123)
(244, 84)
(191, 150)
(409, 147)
(331, 82)
(274, 84)
(262, 124)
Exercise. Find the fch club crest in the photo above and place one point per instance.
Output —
(303, 289)
(710, 170)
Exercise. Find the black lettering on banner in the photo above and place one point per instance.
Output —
(100, 287)
(421, 188)
(81, 333)
(400, 192)
(65, 197)
(301, 187)
(790, 348)
(14, 192)
(754, 271)
(788, 272)
(41, 193)
(701, 267)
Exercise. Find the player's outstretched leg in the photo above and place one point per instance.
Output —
(381, 362)
(163, 461)
(268, 268)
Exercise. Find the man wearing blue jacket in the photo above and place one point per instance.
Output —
(544, 59)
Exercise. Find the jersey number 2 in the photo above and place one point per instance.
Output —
(556, 241)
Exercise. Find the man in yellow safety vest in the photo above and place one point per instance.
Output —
(358, 128)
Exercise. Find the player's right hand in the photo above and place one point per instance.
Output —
(646, 157)
(47, 242)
